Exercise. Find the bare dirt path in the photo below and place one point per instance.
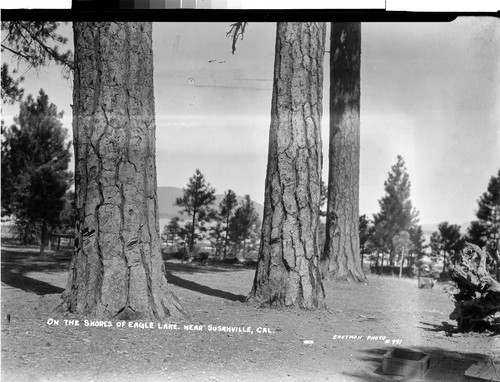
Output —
(362, 323)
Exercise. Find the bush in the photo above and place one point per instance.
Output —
(233, 260)
(201, 257)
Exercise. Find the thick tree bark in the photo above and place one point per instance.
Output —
(341, 254)
(287, 270)
(117, 269)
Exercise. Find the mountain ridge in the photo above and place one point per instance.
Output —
(433, 227)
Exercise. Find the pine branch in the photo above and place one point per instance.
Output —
(15, 52)
(58, 58)
(236, 30)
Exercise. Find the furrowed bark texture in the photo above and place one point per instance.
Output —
(287, 270)
(341, 258)
(117, 269)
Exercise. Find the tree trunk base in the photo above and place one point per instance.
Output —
(349, 274)
(171, 308)
(350, 277)
(120, 293)
(277, 301)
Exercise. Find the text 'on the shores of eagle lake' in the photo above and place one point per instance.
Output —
(159, 326)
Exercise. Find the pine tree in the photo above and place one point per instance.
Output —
(477, 233)
(341, 257)
(244, 224)
(447, 240)
(486, 230)
(417, 238)
(196, 203)
(171, 231)
(217, 237)
(396, 210)
(288, 266)
(226, 211)
(35, 158)
(117, 271)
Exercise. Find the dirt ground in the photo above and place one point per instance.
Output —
(344, 343)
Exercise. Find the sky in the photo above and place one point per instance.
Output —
(429, 92)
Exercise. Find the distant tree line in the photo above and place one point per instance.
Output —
(394, 233)
(448, 241)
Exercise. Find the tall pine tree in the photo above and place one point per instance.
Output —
(35, 176)
(288, 265)
(117, 270)
(341, 257)
(226, 212)
(396, 210)
(244, 224)
(196, 201)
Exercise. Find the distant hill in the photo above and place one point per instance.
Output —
(428, 229)
(168, 195)
(166, 200)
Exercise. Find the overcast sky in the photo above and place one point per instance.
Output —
(429, 92)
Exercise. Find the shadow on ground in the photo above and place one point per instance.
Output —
(445, 365)
(444, 327)
(193, 267)
(29, 284)
(195, 287)
(17, 262)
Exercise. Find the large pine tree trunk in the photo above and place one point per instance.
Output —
(341, 254)
(117, 269)
(287, 270)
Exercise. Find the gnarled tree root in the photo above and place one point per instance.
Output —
(477, 305)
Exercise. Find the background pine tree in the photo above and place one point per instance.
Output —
(396, 212)
(486, 230)
(35, 176)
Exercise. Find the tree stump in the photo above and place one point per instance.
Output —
(477, 305)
